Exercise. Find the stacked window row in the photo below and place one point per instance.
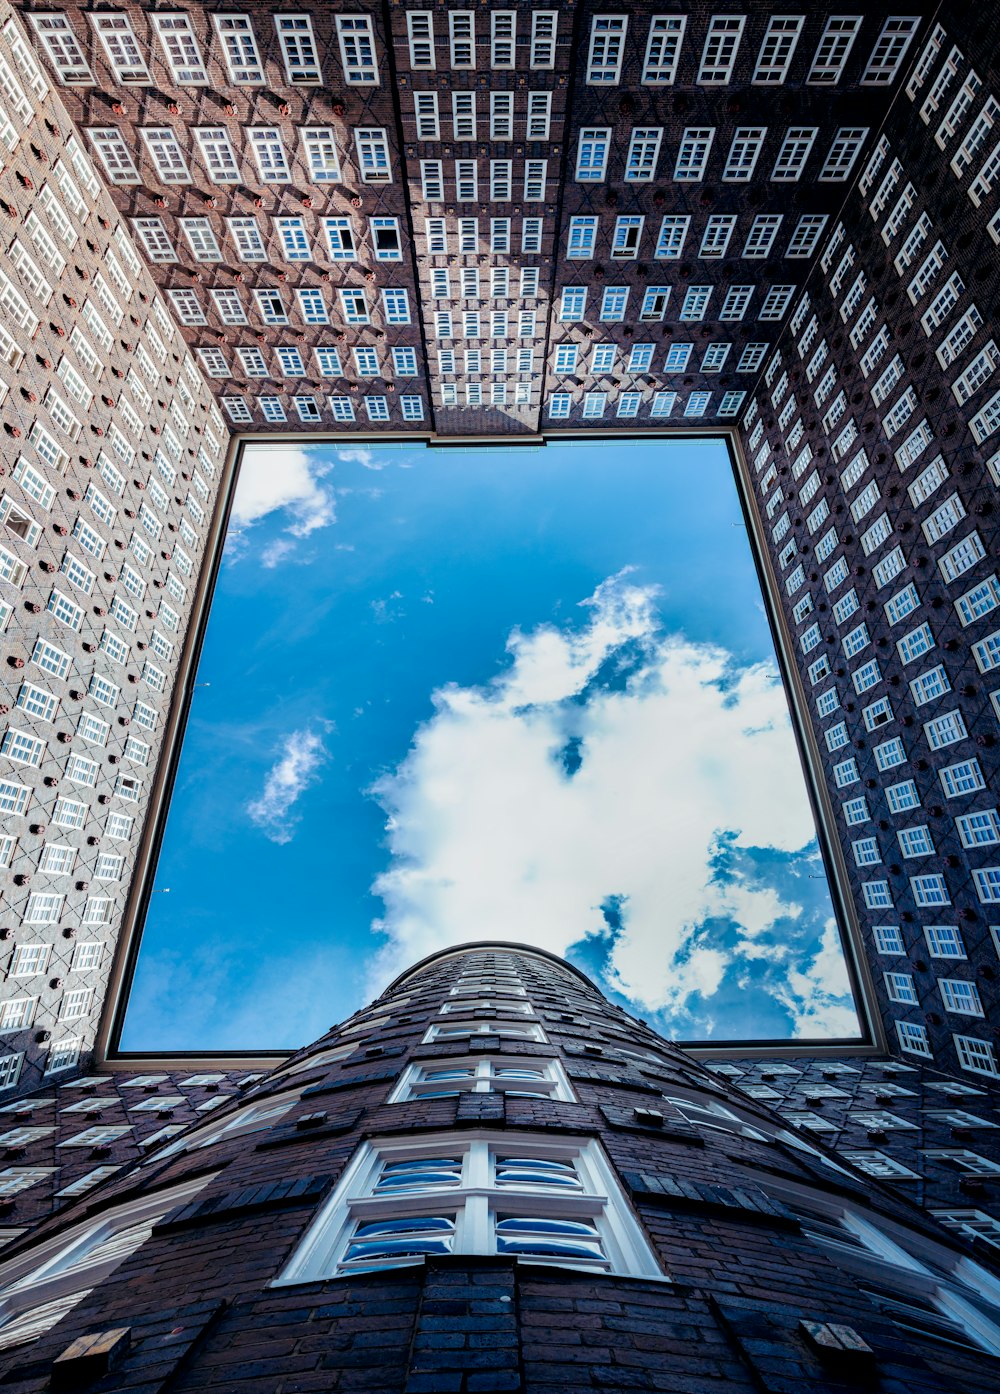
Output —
(890, 393)
(588, 236)
(77, 658)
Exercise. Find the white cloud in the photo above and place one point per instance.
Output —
(289, 478)
(677, 747)
(811, 995)
(360, 455)
(291, 774)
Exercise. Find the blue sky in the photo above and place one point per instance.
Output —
(511, 693)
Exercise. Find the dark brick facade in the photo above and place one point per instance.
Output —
(96, 362)
(876, 476)
(739, 1216)
(112, 455)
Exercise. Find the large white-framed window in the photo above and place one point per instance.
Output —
(239, 44)
(924, 1287)
(547, 1200)
(121, 46)
(44, 1282)
(722, 42)
(457, 1030)
(834, 48)
(607, 50)
(518, 1075)
(592, 154)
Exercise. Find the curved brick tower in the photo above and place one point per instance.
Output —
(492, 1179)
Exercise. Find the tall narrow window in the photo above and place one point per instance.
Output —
(543, 39)
(834, 49)
(743, 153)
(239, 45)
(372, 146)
(692, 154)
(462, 37)
(357, 50)
(503, 33)
(180, 47)
(121, 47)
(663, 49)
(628, 230)
(298, 49)
(777, 49)
(269, 152)
(425, 110)
(592, 154)
(722, 43)
(539, 115)
(321, 154)
(643, 151)
(607, 49)
(420, 33)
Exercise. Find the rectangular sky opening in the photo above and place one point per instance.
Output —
(520, 694)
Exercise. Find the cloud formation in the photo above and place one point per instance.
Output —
(285, 476)
(296, 768)
(614, 764)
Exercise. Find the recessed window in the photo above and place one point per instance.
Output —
(552, 1202)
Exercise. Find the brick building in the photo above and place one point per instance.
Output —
(373, 222)
(490, 1179)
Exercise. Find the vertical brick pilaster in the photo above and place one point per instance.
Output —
(466, 1336)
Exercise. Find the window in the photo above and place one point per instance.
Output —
(607, 45)
(718, 230)
(744, 153)
(180, 48)
(298, 49)
(889, 51)
(692, 153)
(976, 1055)
(503, 25)
(248, 240)
(722, 42)
(454, 1193)
(269, 153)
(121, 47)
(777, 49)
(357, 50)
(833, 49)
(843, 153)
(592, 154)
(372, 147)
(64, 49)
(114, 154)
(49, 1278)
(888, 939)
(776, 302)
(239, 45)
(519, 1076)
(695, 303)
(913, 1038)
(613, 303)
(673, 231)
(543, 39)
(643, 152)
(167, 154)
(760, 238)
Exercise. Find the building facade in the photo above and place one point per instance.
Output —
(374, 222)
(491, 1179)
